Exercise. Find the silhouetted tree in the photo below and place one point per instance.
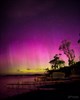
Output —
(79, 39)
(65, 47)
(79, 43)
(56, 62)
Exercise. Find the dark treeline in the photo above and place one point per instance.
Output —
(58, 65)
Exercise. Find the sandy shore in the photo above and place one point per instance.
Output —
(63, 90)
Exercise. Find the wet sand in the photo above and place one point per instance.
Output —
(63, 90)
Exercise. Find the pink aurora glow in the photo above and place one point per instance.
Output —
(29, 55)
(33, 30)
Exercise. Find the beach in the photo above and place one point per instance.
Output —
(23, 87)
(62, 91)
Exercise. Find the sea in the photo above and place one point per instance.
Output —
(13, 85)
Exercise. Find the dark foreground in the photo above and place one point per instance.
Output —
(62, 91)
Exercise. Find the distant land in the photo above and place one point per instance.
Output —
(38, 74)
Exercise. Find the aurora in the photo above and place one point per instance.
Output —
(32, 32)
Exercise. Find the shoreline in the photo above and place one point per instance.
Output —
(62, 91)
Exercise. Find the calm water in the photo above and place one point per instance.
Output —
(22, 84)
(6, 89)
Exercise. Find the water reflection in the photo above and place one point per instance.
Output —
(12, 85)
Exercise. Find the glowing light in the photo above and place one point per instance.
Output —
(31, 56)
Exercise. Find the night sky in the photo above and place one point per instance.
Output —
(32, 30)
